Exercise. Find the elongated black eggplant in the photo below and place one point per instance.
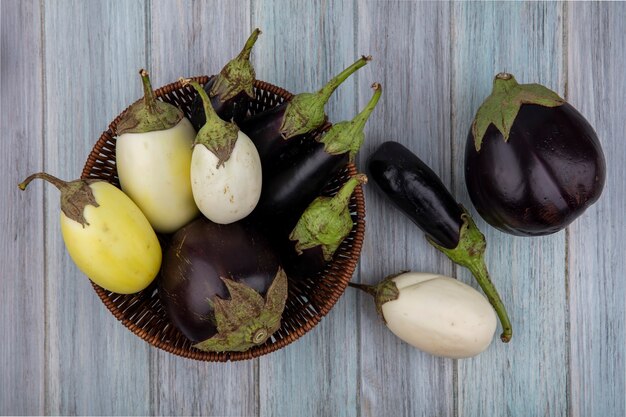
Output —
(300, 179)
(222, 285)
(419, 193)
(533, 164)
(230, 90)
(275, 131)
(325, 223)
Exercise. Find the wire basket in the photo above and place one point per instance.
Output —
(308, 300)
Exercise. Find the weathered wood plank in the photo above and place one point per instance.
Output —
(189, 39)
(22, 313)
(597, 88)
(410, 45)
(529, 375)
(92, 53)
(304, 44)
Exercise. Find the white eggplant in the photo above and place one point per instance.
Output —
(153, 156)
(225, 168)
(436, 314)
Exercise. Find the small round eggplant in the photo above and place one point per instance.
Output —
(222, 285)
(533, 164)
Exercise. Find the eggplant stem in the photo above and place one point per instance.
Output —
(478, 268)
(247, 48)
(206, 101)
(60, 184)
(148, 92)
(341, 199)
(370, 289)
(361, 118)
(336, 81)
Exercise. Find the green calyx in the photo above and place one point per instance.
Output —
(383, 292)
(469, 253)
(503, 105)
(238, 75)
(326, 221)
(305, 111)
(217, 135)
(149, 114)
(75, 195)
(349, 136)
(247, 319)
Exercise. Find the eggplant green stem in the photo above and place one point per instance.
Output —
(60, 184)
(478, 268)
(370, 289)
(148, 93)
(75, 195)
(470, 253)
(340, 200)
(361, 118)
(247, 48)
(326, 91)
(209, 111)
(348, 136)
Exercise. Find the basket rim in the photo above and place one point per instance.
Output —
(312, 320)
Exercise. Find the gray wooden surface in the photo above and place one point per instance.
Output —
(69, 67)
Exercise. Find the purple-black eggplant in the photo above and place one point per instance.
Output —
(419, 193)
(223, 285)
(533, 164)
(230, 90)
(325, 223)
(300, 179)
(275, 132)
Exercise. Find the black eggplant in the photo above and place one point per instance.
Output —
(325, 223)
(230, 91)
(419, 193)
(300, 179)
(222, 285)
(276, 132)
(533, 164)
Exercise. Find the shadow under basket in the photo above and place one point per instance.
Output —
(308, 300)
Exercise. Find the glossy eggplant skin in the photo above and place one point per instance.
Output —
(231, 110)
(198, 255)
(297, 182)
(264, 131)
(551, 169)
(417, 191)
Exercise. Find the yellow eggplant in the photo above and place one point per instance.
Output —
(106, 234)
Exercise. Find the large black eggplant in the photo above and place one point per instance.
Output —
(275, 132)
(290, 189)
(222, 285)
(533, 163)
(419, 193)
(230, 91)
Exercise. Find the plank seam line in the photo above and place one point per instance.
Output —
(568, 351)
(357, 305)
(44, 117)
(153, 363)
(455, 269)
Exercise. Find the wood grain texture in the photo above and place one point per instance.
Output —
(527, 376)
(22, 299)
(69, 66)
(597, 88)
(188, 39)
(410, 45)
(304, 44)
(93, 51)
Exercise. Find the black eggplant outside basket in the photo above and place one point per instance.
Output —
(308, 301)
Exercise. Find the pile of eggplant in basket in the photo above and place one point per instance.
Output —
(239, 198)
